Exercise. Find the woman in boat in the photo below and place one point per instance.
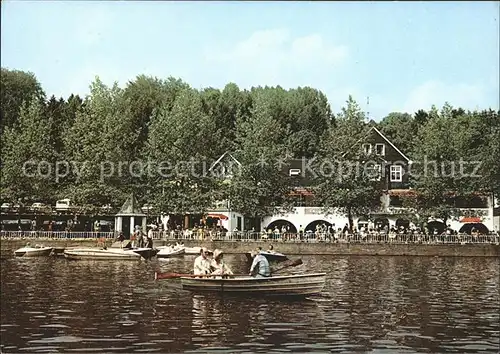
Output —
(202, 263)
(218, 264)
(260, 265)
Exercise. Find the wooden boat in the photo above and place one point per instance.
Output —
(37, 251)
(170, 251)
(283, 285)
(271, 256)
(108, 253)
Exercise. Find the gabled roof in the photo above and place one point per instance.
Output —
(390, 143)
(130, 208)
(385, 138)
(222, 157)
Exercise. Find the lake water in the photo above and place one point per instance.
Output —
(375, 304)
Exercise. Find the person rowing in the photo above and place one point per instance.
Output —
(260, 265)
(218, 264)
(202, 263)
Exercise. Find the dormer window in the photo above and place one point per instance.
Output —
(294, 172)
(380, 149)
(367, 148)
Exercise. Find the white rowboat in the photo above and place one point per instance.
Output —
(285, 285)
(100, 253)
(168, 251)
(37, 251)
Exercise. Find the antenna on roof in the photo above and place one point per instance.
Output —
(367, 109)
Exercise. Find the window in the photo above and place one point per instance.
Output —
(373, 172)
(396, 173)
(294, 172)
(380, 149)
(367, 148)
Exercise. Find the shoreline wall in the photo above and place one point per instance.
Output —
(8, 247)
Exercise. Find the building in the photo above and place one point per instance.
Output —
(391, 168)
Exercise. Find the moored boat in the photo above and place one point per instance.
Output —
(283, 285)
(145, 252)
(101, 253)
(169, 251)
(37, 251)
(271, 256)
(192, 250)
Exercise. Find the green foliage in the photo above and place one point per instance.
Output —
(452, 160)
(400, 129)
(16, 89)
(25, 146)
(115, 141)
(346, 187)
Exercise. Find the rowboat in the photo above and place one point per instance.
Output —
(37, 251)
(109, 253)
(283, 285)
(169, 251)
(271, 256)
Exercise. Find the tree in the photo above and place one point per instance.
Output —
(28, 156)
(179, 148)
(17, 88)
(451, 141)
(400, 129)
(100, 146)
(260, 188)
(344, 179)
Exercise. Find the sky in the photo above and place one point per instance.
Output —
(403, 56)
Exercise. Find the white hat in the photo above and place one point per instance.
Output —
(217, 253)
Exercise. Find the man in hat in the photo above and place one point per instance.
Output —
(260, 265)
(218, 264)
(202, 263)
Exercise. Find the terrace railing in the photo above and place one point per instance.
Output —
(179, 236)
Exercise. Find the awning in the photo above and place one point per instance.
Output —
(471, 219)
(217, 216)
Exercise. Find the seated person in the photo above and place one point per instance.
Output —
(202, 263)
(218, 264)
(260, 265)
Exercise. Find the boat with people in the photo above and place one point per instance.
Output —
(282, 285)
(36, 251)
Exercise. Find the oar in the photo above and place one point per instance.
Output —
(159, 275)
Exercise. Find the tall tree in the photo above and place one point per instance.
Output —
(260, 188)
(400, 128)
(28, 156)
(180, 147)
(16, 88)
(345, 180)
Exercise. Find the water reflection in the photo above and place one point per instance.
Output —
(384, 304)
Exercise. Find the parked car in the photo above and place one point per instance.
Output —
(146, 208)
(39, 207)
(63, 205)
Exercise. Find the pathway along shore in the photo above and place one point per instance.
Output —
(7, 247)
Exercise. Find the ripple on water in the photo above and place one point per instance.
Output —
(378, 304)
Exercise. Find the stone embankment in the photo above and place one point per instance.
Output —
(8, 246)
